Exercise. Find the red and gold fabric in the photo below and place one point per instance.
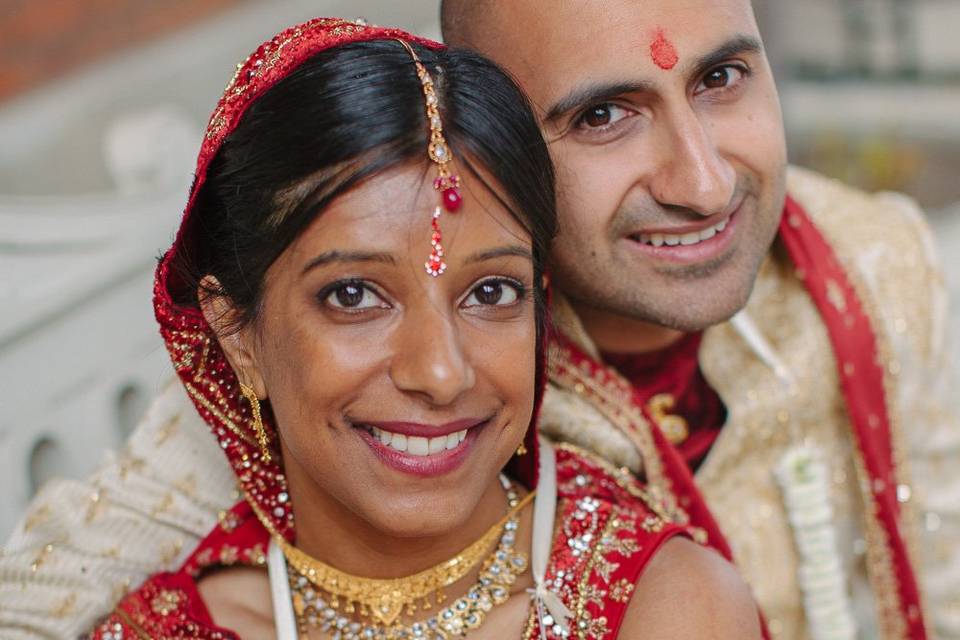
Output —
(607, 530)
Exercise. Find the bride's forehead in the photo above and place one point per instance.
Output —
(394, 210)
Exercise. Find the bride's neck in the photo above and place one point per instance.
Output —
(335, 535)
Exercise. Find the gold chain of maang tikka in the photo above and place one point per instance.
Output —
(439, 152)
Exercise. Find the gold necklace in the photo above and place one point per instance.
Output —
(383, 601)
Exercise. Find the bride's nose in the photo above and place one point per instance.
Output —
(429, 358)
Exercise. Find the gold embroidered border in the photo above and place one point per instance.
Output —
(610, 399)
(130, 622)
(583, 621)
(629, 483)
(219, 415)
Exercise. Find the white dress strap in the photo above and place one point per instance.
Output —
(283, 616)
(544, 510)
(550, 608)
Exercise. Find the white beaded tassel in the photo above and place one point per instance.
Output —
(803, 478)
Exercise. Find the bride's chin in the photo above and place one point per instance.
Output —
(428, 517)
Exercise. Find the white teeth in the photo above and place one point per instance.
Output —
(436, 445)
(419, 446)
(452, 441)
(686, 239)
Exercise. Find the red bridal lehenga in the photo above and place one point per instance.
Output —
(595, 526)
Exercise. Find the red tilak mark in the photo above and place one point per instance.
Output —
(663, 53)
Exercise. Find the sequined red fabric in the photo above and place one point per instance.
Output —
(608, 529)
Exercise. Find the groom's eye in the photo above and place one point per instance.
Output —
(724, 78)
(597, 116)
(601, 117)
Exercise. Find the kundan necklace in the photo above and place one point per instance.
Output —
(328, 599)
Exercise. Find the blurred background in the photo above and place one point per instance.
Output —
(102, 104)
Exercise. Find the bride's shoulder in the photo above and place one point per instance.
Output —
(618, 546)
(690, 591)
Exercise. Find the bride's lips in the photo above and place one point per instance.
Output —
(421, 449)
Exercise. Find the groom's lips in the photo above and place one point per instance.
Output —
(721, 229)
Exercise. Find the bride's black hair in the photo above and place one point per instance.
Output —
(344, 116)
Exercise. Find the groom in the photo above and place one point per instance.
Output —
(768, 320)
(766, 316)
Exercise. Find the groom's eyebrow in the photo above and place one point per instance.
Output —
(735, 46)
(589, 94)
(593, 93)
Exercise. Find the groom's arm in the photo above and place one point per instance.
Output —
(82, 544)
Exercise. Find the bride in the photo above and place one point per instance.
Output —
(355, 303)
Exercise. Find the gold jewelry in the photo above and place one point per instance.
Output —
(254, 401)
(383, 601)
(674, 426)
(522, 450)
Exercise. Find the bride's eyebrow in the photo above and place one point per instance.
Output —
(329, 257)
(499, 252)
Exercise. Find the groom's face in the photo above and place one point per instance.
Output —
(663, 120)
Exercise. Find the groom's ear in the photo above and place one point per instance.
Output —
(235, 338)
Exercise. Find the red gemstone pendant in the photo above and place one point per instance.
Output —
(452, 199)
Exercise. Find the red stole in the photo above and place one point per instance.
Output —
(856, 345)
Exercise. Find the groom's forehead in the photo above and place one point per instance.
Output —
(500, 28)
(554, 46)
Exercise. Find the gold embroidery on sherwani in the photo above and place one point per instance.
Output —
(674, 426)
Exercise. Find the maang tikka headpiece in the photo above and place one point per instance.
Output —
(446, 183)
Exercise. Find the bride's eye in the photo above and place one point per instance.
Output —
(352, 295)
(498, 292)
